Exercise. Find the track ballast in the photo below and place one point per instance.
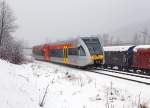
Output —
(109, 72)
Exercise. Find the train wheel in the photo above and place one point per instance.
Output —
(129, 69)
(125, 69)
(120, 68)
(104, 66)
(142, 71)
(147, 72)
(134, 70)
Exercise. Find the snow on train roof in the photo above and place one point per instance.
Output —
(71, 40)
(117, 48)
(141, 46)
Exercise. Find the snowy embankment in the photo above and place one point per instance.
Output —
(49, 85)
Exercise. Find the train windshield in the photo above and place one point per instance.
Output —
(93, 45)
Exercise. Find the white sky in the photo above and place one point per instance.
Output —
(42, 20)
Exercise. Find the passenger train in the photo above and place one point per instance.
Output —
(81, 52)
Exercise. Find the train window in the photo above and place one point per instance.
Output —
(73, 51)
(39, 53)
(93, 45)
(56, 53)
(81, 51)
(109, 53)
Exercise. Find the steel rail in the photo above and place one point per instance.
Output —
(125, 73)
(129, 79)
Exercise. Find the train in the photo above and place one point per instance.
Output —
(128, 58)
(79, 52)
(88, 51)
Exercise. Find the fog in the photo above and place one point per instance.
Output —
(47, 20)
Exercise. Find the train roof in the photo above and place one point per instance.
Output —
(71, 40)
(117, 48)
(76, 38)
(141, 47)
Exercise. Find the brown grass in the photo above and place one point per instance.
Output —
(143, 105)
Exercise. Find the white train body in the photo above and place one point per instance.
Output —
(80, 52)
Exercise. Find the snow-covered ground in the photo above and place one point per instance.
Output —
(54, 86)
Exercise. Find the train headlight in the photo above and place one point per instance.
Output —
(92, 57)
(101, 57)
(97, 57)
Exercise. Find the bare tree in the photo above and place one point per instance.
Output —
(145, 36)
(106, 39)
(118, 41)
(7, 21)
(10, 49)
(136, 40)
(111, 40)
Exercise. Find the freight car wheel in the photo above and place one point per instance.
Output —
(125, 69)
(111, 67)
(120, 68)
(105, 66)
(147, 72)
(134, 70)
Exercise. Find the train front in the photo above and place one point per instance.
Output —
(95, 49)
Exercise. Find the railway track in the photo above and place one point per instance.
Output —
(125, 73)
(122, 75)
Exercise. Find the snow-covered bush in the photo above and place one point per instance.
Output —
(12, 51)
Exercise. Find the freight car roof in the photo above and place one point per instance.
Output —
(141, 47)
(117, 48)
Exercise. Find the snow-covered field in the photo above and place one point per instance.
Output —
(54, 86)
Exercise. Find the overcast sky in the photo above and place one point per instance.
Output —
(42, 20)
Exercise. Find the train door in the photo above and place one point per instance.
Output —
(46, 55)
(65, 55)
